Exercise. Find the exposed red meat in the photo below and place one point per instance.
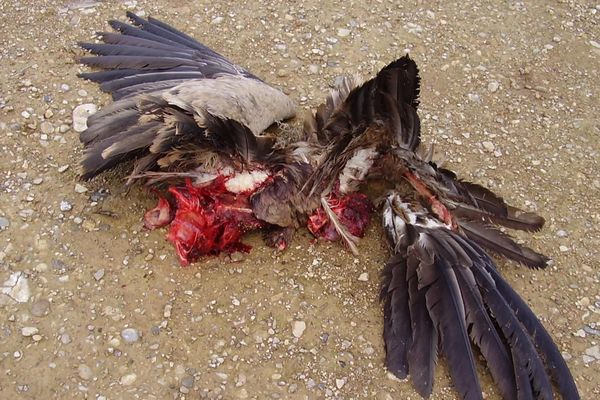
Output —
(159, 216)
(353, 211)
(437, 207)
(208, 220)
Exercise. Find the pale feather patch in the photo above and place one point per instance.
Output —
(356, 169)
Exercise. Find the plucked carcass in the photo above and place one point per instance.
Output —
(194, 122)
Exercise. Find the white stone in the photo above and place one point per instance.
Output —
(364, 277)
(593, 351)
(298, 328)
(79, 188)
(488, 146)
(99, 274)
(343, 32)
(29, 331)
(339, 383)
(127, 380)
(15, 289)
(130, 335)
(493, 86)
(81, 114)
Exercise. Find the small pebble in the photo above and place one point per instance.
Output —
(4, 223)
(339, 383)
(85, 372)
(187, 381)
(343, 32)
(65, 206)
(298, 328)
(130, 335)
(562, 234)
(563, 248)
(127, 380)
(81, 114)
(474, 97)
(488, 146)
(593, 351)
(364, 277)
(99, 274)
(29, 331)
(79, 188)
(217, 20)
(65, 338)
(493, 86)
(40, 308)
(588, 359)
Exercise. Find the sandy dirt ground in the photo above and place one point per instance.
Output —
(93, 306)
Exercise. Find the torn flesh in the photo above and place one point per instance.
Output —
(211, 218)
(353, 212)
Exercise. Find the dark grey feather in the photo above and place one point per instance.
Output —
(551, 355)
(397, 332)
(499, 242)
(424, 346)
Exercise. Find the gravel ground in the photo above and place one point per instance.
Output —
(93, 306)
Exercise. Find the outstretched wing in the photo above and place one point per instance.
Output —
(442, 292)
(361, 124)
(169, 92)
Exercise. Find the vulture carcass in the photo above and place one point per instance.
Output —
(192, 120)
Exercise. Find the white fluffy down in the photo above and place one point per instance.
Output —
(245, 181)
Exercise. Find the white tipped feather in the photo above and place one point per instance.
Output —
(349, 238)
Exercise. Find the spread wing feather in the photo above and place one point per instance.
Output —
(173, 96)
(455, 293)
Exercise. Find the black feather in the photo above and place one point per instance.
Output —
(397, 332)
(551, 355)
(137, 79)
(137, 62)
(497, 241)
(423, 350)
(101, 129)
(169, 34)
(129, 30)
(483, 333)
(446, 309)
(525, 356)
(127, 40)
(232, 137)
(102, 49)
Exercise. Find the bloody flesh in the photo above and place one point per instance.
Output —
(352, 210)
(209, 220)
